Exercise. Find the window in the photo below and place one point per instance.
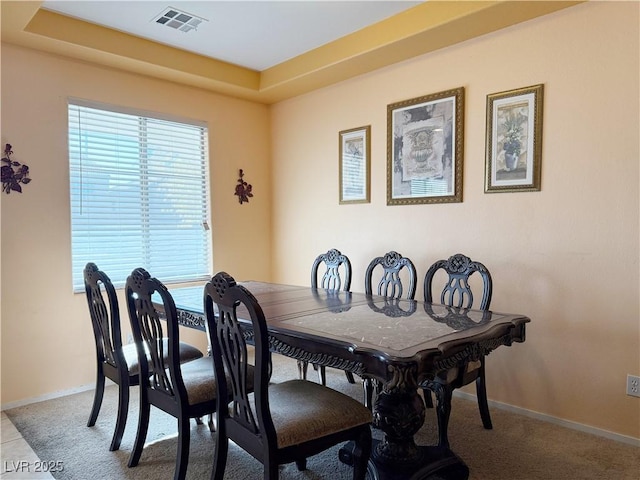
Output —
(139, 195)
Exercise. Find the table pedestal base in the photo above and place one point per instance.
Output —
(433, 463)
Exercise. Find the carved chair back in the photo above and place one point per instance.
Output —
(105, 319)
(331, 279)
(457, 290)
(159, 370)
(252, 429)
(390, 284)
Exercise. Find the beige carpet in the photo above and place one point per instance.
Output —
(517, 448)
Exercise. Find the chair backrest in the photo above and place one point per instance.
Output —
(105, 316)
(141, 291)
(331, 279)
(390, 284)
(457, 290)
(252, 429)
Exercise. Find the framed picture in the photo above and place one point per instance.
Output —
(514, 140)
(425, 138)
(355, 165)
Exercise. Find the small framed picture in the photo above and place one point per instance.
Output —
(514, 140)
(355, 165)
(425, 139)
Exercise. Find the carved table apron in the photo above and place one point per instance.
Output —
(401, 343)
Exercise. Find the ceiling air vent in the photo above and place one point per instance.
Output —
(179, 20)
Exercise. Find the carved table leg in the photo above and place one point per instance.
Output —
(400, 412)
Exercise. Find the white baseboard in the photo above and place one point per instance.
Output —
(555, 420)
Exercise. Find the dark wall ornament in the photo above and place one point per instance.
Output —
(13, 173)
(243, 189)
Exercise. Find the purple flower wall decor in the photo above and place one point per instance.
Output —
(13, 173)
(243, 189)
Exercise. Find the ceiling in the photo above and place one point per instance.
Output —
(252, 34)
(265, 51)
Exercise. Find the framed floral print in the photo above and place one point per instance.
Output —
(514, 140)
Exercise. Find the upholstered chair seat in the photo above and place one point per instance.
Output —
(330, 412)
(187, 353)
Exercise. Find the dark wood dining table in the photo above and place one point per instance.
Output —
(400, 343)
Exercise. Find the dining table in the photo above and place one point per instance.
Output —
(400, 344)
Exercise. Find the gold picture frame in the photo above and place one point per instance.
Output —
(355, 165)
(514, 140)
(425, 149)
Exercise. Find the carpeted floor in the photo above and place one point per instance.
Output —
(518, 447)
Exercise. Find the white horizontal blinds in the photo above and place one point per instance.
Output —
(139, 195)
(430, 187)
(354, 175)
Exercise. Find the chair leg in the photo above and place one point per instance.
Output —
(322, 375)
(428, 401)
(182, 456)
(271, 471)
(143, 426)
(210, 423)
(97, 397)
(301, 464)
(367, 386)
(350, 378)
(302, 369)
(361, 454)
(220, 453)
(481, 392)
(444, 394)
(121, 420)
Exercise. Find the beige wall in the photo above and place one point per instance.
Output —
(46, 334)
(566, 256)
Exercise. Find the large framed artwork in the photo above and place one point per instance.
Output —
(425, 139)
(355, 165)
(514, 140)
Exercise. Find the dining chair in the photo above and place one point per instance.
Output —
(390, 284)
(331, 280)
(457, 293)
(114, 360)
(185, 390)
(389, 267)
(282, 422)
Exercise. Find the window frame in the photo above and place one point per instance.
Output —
(204, 253)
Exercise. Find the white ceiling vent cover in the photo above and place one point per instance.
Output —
(179, 20)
